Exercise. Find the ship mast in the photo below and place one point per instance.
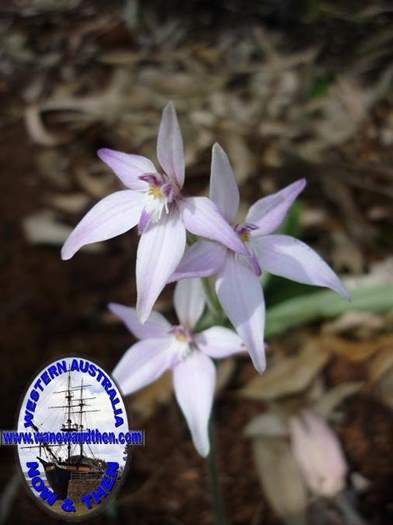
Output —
(68, 426)
(41, 445)
(72, 403)
(81, 405)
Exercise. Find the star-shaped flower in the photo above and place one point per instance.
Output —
(237, 281)
(154, 201)
(187, 354)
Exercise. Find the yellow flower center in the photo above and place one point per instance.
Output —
(181, 337)
(245, 236)
(155, 192)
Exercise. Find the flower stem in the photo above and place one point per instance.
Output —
(350, 515)
(211, 300)
(219, 513)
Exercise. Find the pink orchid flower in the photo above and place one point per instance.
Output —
(319, 455)
(187, 354)
(154, 201)
(237, 275)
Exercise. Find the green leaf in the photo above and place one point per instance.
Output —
(318, 87)
(291, 224)
(281, 290)
(327, 304)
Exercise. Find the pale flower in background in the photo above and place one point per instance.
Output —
(154, 202)
(187, 354)
(237, 282)
(318, 453)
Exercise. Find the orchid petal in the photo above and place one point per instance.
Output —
(155, 326)
(194, 381)
(170, 151)
(189, 301)
(127, 167)
(143, 363)
(202, 259)
(318, 453)
(288, 257)
(219, 342)
(269, 212)
(111, 216)
(327, 441)
(201, 217)
(240, 294)
(144, 220)
(223, 187)
(160, 250)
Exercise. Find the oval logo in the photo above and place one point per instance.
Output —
(73, 437)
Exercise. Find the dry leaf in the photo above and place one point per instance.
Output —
(120, 58)
(96, 186)
(268, 424)
(149, 399)
(70, 203)
(225, 371)
(345, 254)
(355, 351)
(383, 389)
(280, 479)
(381, 363)
(43, 228)
(37, 130)
(380, 273)
(54, 166)
(240, 155)
(290, 375)
(342, 110)
(363, 323)
(331, 399)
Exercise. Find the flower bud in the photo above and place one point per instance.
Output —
(319, 454)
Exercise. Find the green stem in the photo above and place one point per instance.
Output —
(211, 299)
(349, 513)
(219, 514)
(112, 511)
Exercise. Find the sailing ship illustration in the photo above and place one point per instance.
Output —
(65, 466)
